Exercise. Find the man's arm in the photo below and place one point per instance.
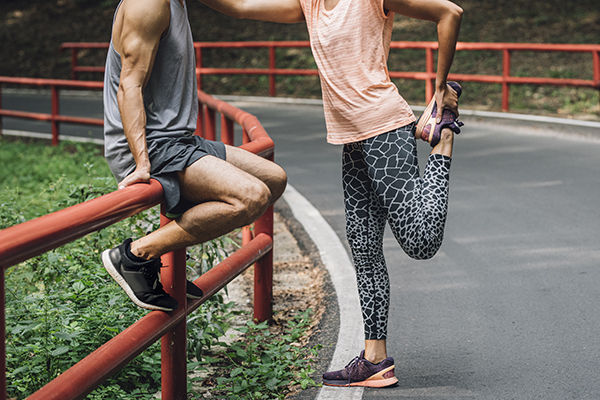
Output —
(447, 16)
(136, 34)
(283, 11)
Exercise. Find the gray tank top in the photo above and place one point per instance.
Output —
(170, 97)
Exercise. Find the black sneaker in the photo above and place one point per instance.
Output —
(139, 280)
(192, 291)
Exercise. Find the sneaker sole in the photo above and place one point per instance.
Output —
(375, 381)
(427, 120)
(110, 268)
(379, 383)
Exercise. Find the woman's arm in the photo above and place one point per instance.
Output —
(447, 16)
(284, 11)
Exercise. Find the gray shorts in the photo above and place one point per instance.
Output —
(173, 154)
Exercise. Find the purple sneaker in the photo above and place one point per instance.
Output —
(361, 372)
(428, 130)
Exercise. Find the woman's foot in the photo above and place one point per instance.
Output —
(361, 372)
(428, 129)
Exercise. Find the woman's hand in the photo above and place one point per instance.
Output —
(446, 98)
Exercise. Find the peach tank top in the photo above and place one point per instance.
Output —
(350, 44)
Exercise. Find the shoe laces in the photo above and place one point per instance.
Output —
(352, 367)
(150, 272)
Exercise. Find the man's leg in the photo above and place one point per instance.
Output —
(228, 197)
(267, 171)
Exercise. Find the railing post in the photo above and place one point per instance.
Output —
(0, 109)
(505, 76)
(55, 113)
(272, 63)
(173, 344)
(200, 122)
(198, 66)
(263, 272)
(210, 129)
(596, 56)
(74, 51)
(227, 130)
(3, 337)
(429, 83)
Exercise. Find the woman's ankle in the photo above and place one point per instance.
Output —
(445, 144)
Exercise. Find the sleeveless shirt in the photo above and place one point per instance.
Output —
(350, 44)
(170, 96)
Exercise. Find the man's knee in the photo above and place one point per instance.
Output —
(280, 183)
(253, 198)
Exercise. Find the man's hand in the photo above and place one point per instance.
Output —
(140, 175)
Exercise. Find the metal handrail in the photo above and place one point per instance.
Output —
(31, 238)
(505, 79)
(54, 117)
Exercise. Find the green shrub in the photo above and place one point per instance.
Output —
(62, 305)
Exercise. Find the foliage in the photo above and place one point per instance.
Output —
(56, 303)
(264, 366)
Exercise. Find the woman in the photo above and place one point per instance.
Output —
(364, 112)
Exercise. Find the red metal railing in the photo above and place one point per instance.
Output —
(54, 117)
(29, 239)
(505, 79)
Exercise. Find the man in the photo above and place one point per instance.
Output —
(150, 111)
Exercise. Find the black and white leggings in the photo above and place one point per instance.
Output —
(382, 183)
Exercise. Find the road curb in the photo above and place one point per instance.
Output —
(335, 258)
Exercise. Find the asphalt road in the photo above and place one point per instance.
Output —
(510, 306)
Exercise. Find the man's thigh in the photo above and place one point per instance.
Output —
(265, 170)
(256, 166)
(213, 179)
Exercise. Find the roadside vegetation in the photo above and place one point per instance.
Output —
(62, 305)
(30, 33)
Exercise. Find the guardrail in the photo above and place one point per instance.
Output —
(21, 242)
(54, 117)
(505, 79)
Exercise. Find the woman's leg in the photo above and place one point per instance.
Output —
(365, 224)
(416, 207)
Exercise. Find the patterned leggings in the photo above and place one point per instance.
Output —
(382, 183)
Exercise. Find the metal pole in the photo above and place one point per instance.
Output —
(430, 71)
(173, 344)
(272, 89)
(200, 121)
(263, 272)
(505, 75)
(227, 130)
(198, 66)
(596, 57)
(55, 113)
(74, 63)
(0, 109)
(210, 129)
(3, 394)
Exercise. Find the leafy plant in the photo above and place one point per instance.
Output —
(56, 303)
(264, 366)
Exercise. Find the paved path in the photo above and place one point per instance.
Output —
(510, 306)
